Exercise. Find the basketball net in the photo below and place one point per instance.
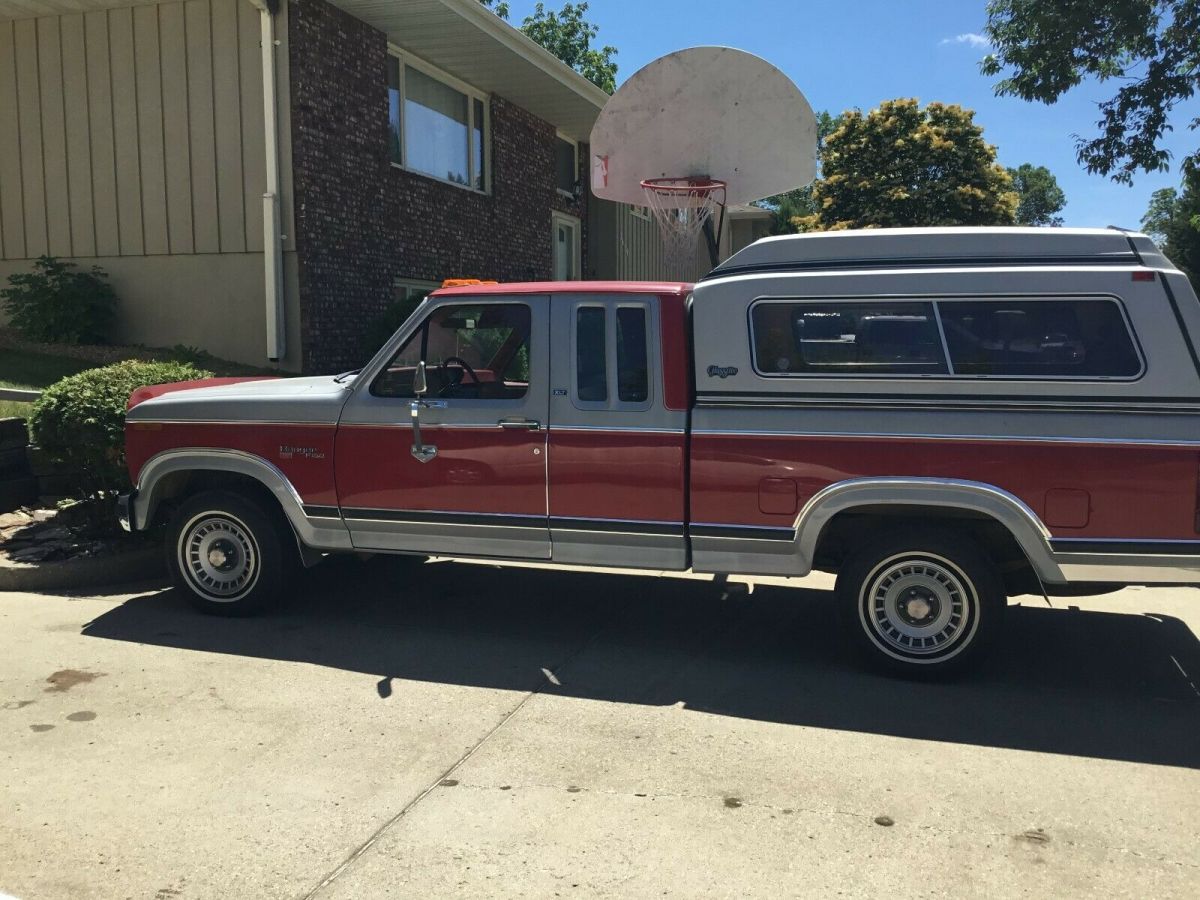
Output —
(681, 206)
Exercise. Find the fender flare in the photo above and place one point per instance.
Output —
(319, 534)
(996, 503)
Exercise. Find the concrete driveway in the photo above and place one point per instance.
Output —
(451, 729)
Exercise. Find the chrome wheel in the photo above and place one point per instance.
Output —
(918, 607)
(218, 556)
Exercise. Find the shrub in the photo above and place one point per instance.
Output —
(81, 419)
(53, 304)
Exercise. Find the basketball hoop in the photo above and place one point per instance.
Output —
(681, 206)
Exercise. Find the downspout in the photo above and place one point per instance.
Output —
(272, 236)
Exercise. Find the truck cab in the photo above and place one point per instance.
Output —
(942, 417)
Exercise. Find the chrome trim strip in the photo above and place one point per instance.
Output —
(1038, 439)
(136, 421)
(944, 403)
(616, 428)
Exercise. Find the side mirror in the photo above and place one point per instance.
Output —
(420, 385)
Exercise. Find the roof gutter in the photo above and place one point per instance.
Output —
(272, 234)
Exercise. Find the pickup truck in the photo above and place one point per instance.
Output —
(943, 417)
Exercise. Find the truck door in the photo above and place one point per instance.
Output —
(616, 470)
(476, 485)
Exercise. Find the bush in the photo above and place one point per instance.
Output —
(53, 304)
(81, 419)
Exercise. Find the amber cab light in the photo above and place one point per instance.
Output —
(465, 282)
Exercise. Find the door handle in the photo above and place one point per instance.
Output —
(523, 424)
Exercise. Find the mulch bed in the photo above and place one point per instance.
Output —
(33, 535)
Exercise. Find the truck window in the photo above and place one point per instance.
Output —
(633, 376)
(476, 351)
(859, 338)
(591, 369)
(1039, 338)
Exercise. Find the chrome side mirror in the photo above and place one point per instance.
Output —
(421, 452)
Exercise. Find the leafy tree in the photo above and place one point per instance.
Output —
(1041, 197)
(1173, 220)
(1152, 47)
(568, 35)
(900, 165)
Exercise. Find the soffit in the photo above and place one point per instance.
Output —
(466, 40)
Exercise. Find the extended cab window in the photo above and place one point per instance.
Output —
(860, 338)
(475, 351)
(1039, 338)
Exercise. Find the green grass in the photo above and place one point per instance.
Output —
(10, 408)
(34, 371)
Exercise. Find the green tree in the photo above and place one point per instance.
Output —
(1152, 47)
(900, 165)
(1041, 197)
(1173, 220)
(569, 36)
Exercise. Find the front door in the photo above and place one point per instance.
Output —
(476, 484)
(565, 234)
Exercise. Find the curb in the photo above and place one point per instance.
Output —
(85, 572)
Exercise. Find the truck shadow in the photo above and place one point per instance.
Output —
(1105, 685)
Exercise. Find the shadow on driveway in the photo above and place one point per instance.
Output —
(1092, 684)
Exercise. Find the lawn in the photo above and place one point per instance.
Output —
(27, 371)
(34, 371)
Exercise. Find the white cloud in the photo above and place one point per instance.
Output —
(970, 38)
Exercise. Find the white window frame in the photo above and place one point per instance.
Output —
(472, 94)
(414, 286)
(575, 148)
(561, 218)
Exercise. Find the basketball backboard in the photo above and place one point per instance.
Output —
(714, 112)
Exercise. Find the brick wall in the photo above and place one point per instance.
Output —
(361, 222)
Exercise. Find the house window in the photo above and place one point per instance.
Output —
(395, 136)
(436, 126)
(566, 165)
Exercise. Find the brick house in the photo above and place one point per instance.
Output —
(262, 178)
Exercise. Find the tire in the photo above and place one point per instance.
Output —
(228, 555)
(921, 604)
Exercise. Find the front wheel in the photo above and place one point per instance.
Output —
(923, 603)
(230, 556)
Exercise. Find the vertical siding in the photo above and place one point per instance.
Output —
(12, 206)
(639, 251)
(132, 131)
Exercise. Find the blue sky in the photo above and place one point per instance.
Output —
(859, 52)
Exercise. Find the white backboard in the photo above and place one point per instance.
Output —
(706, 111)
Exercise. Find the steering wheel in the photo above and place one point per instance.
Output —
(464, 367)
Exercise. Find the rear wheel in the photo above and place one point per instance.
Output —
(925, 603)
(228, 555)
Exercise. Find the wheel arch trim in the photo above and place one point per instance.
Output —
(329, 534)
(1010, 511)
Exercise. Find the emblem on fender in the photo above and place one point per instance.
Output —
(721, 371)
(287, 451)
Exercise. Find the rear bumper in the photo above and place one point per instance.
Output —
(125, 511)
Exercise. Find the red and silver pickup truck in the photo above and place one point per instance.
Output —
(943, 417)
